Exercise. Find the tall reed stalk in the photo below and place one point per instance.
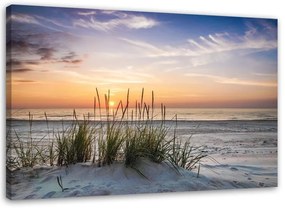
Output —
(125, 135)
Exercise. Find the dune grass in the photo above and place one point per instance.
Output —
(74, 144)
(112, 144)
(126, 134)
(28, 152)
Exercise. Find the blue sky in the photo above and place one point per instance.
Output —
(189, 60)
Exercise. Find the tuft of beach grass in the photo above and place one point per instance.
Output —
(125, 135)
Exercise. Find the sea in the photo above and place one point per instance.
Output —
(185, 114)
(186, 121)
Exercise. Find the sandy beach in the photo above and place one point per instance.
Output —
(242, 154)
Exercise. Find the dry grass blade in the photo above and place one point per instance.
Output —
(117, 139)
(152, 104)
(99, 103)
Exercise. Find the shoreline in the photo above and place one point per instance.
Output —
(156, 120)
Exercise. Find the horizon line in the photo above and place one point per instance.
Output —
(172, 107)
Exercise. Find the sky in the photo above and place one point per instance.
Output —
(57, 57)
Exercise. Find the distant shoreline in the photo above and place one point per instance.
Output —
(182, 115)
(159, 121)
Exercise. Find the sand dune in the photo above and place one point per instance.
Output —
(88, 180)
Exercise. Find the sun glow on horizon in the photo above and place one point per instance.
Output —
(111, 103)
(58, 61)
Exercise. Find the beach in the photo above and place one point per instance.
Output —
(241, 154)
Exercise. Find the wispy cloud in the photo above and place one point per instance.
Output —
(17, 66)
(265, 74)
(26, 50)
(251, 41)
(20, 70)
(126, 76)
(86, 13)
(102, 76)
(46, 53)
(112, 81)
(24, 81)
(43, 20)
(20, 46)
(179, 96)
(235, 81)
(109, 12)
(23, 18)
(149, 48)
(36, 20)
(121, 20)
(71, 58)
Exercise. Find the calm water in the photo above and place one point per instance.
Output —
(182, 114)
(214, 121)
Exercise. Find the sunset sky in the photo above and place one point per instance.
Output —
(56, 57)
